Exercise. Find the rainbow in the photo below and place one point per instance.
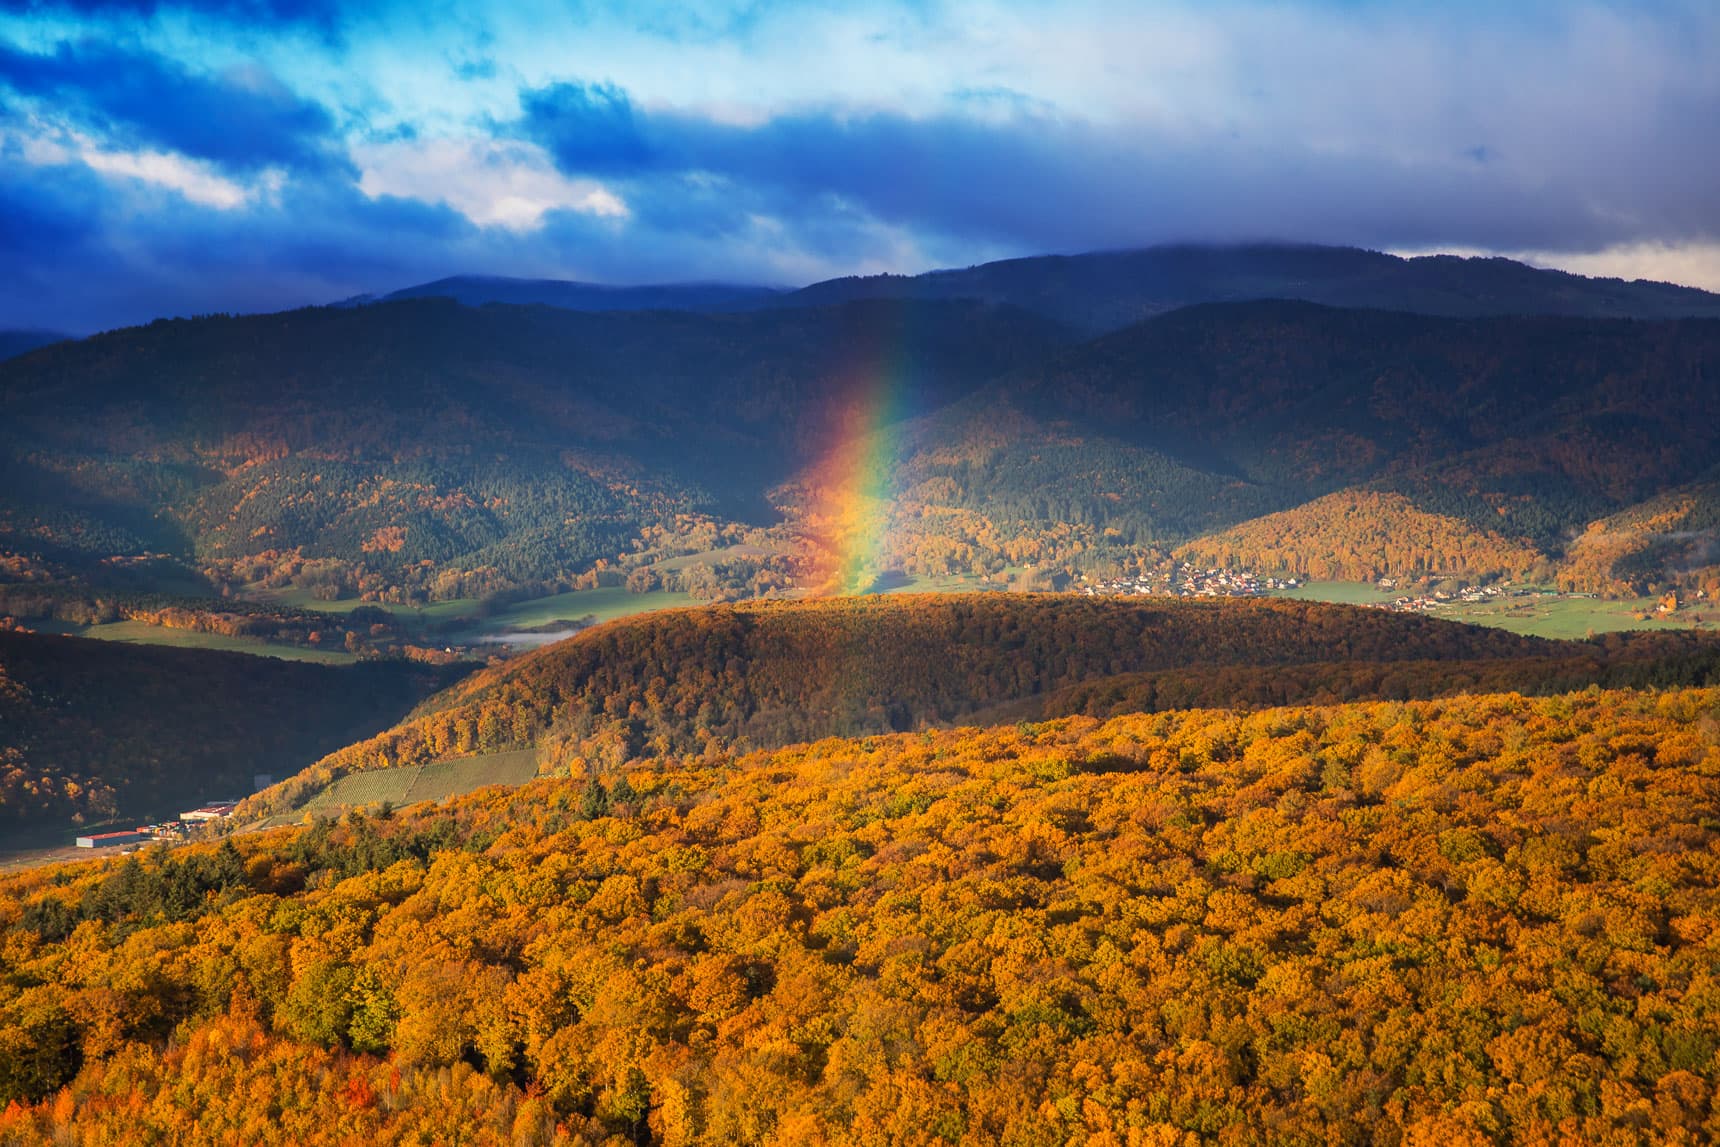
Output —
(849, 518)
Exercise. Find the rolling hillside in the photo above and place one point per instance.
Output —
(422, 450)
(1673, 536)
(725, 678)
(1361, 535)
(1486, 919)
(1515, 433)
(438, 450)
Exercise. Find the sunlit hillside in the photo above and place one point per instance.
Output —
(1488, 919)
(728, 678)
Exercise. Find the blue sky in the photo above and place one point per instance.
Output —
(162, 158)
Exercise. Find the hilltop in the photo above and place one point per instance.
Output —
(477, 290)
(15, 343)
(726, 678)
(1101, 291)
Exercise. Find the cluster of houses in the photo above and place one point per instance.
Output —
(168, 831)
(1188, 581)
(1469, 595)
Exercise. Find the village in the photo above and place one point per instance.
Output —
(1427, 603)
(1188, 581)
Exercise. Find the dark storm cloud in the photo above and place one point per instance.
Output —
(242, 121)
(141, 173)
(592, 128)
(1037, 181)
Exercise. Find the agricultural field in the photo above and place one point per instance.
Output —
(712, 557)
(1560, 616)
(298, 598)
(1577, 617)
(404, 786)
(1341, 592)
(142, 633)
(447, 779)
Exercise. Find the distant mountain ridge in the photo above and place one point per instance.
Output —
(477, 290)
(1107, 290)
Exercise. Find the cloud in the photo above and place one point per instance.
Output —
(492, 183)
(1035, 181)
(243, 120)
(591, 128)
(201, 155)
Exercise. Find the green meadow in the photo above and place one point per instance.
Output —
(1561, 616)
(306, 599)
(1341, 592)
(404, 786)
(605, 604)
(141, 633)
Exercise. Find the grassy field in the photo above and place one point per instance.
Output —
(604, 604)
(953, 583)
(715, 557)
(1561, 616)
(1342, 592)
(304, 599)
(140, 633)
(436, 782)
(1575, 617)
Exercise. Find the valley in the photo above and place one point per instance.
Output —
(1138, 697)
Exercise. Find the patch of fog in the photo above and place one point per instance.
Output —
(525, 640)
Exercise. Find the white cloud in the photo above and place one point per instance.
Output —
(195, 181)
(493, 183)
(1691, 264)
(192, 180)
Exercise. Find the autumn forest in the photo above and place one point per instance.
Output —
(704, 715)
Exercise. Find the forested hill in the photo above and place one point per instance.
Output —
(424, 450)
(90, 730)
(723, 678)
(449, 450)
(1508, 435)
(1103, 291)
(1484, 920)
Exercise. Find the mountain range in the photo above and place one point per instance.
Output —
(1105, 290)
(424, 449)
